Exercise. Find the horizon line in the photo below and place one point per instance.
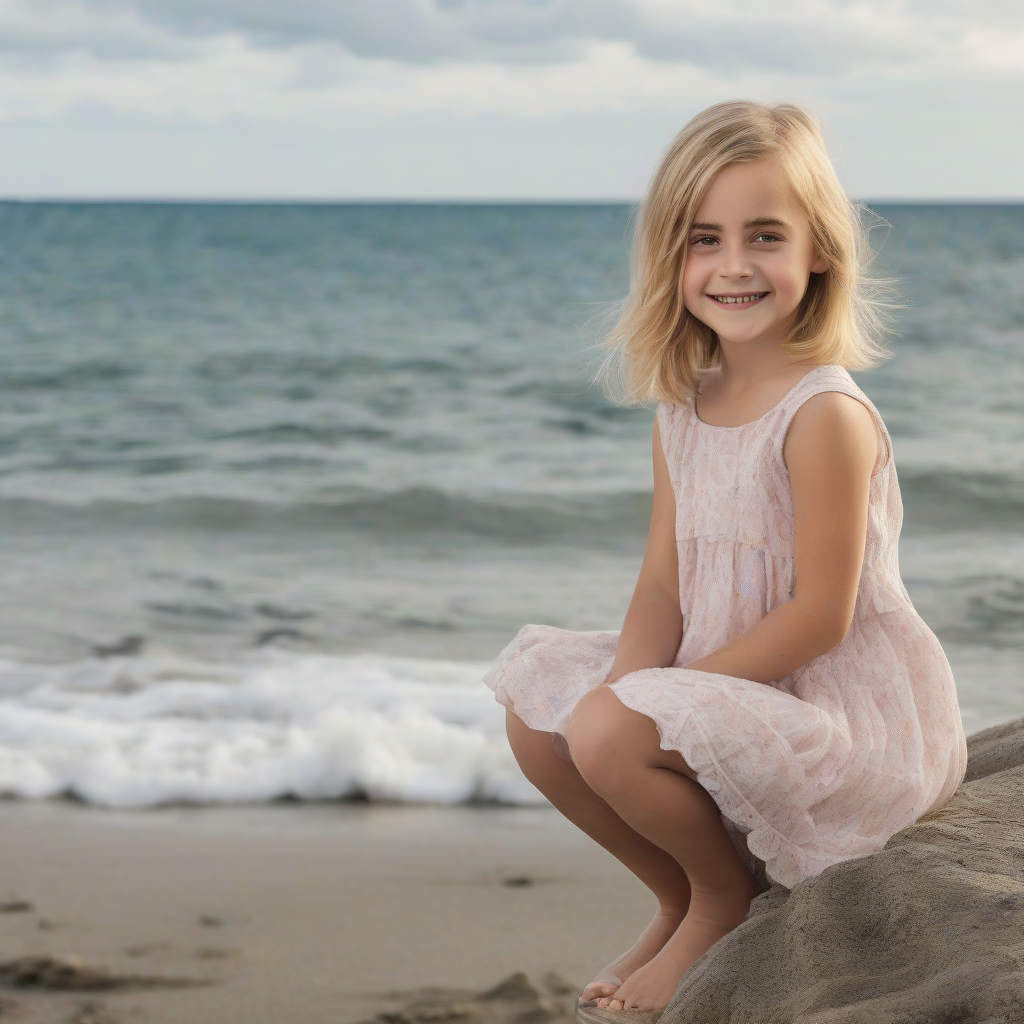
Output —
(215, 200)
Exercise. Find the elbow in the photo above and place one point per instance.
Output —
(833, 625)
(827, 624)
(834, 633)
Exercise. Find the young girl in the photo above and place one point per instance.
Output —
(773, 704)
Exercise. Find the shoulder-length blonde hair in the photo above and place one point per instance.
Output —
(658, 346)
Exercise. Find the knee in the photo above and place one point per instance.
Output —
(598, 745)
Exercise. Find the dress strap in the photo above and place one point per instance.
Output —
(823, 379)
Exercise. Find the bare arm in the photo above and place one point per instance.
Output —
(653, 626)
(830, 452)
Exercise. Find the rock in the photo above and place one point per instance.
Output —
(67, 974)
(929, 930)
(512, 1001)
(55, 974)
(123, 648)
(16, 907)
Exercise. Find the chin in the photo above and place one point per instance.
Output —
(743, 339)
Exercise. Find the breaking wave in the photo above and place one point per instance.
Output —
(142, 732)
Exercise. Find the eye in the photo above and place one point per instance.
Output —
(767, 236)
(705, 240)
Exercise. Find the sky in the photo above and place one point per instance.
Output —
(491, 99)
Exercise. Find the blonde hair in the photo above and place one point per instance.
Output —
(658, 347)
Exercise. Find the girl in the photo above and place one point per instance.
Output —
(773, 704)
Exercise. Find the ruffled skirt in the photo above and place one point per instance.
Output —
(801, 783)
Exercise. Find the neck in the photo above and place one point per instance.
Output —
(743, 363)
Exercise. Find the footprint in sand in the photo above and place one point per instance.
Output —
(91, 1013)
(147, 949)
(216, 953)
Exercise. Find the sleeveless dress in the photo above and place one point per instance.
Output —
(825, 764)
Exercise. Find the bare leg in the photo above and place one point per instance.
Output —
(618, 753)
(562, 784)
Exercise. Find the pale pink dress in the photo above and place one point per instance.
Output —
(825, 764)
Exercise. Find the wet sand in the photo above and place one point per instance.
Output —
(293, 914)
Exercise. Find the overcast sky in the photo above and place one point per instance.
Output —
(556, 99)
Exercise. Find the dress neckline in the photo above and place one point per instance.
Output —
(782, 401)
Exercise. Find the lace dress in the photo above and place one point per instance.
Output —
(825, 764)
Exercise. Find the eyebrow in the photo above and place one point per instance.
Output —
(758, 222)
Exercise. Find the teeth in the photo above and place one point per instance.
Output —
(733, 300)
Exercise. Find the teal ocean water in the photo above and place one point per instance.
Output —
(276, 482)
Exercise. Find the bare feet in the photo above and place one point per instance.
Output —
(662, 927)
(651, 986)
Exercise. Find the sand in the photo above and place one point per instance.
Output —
(289, 913)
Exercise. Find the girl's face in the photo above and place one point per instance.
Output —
(750, 255)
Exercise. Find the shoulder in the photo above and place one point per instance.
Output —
(833, 426)
(832, 410)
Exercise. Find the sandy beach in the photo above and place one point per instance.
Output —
(310, 914)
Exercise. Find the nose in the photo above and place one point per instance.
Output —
(735, 265)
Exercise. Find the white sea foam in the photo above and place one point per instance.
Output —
(141, 732)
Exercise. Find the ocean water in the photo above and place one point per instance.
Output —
(278, 482)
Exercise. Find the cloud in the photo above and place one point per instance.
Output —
(311, 61)
(35, 33)
(352, 70)
(798, 36)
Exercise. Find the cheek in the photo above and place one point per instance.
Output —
(692, 282)
(790, 280)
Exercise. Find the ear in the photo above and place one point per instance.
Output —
(820, 264)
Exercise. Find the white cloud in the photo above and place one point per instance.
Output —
(311, 59)
(794, 36)
(820, 35)
(338, 67)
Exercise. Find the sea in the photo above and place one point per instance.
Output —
(278, 482)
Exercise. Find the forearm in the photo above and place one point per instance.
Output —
(784, 640)
(651, 632)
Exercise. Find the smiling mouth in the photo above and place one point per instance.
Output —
(738, 300)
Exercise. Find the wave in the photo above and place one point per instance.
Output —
(148, 731)
(519, 519)
(142, 732)
(954, 500)
(68, 378)
(933, 499)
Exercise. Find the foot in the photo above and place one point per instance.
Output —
(653, 938)
(651, 986)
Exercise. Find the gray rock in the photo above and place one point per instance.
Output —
(68, 974)
(929, 930)
(512, 1001)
